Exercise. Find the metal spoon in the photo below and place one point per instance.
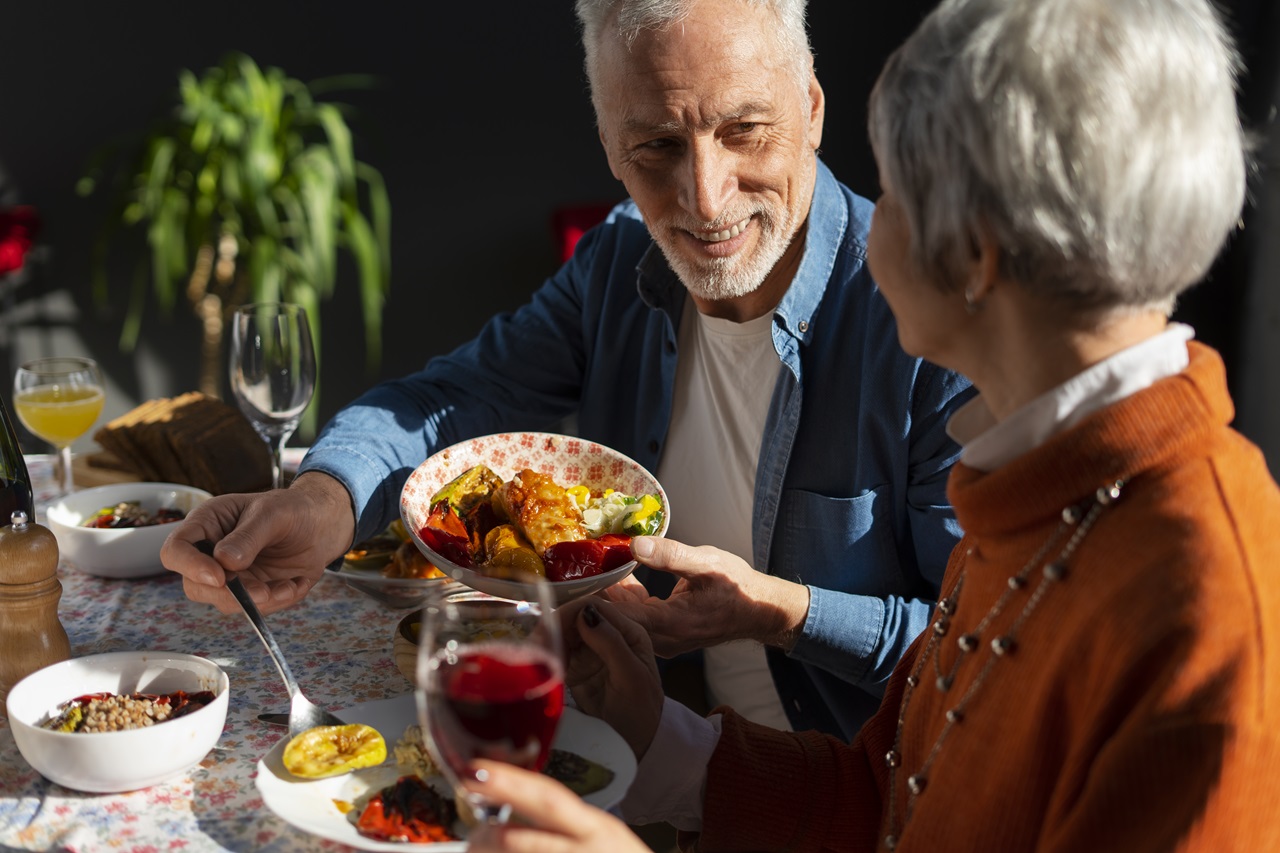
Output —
(303, 713)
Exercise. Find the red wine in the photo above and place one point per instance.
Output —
(15, 482)
(498, 701)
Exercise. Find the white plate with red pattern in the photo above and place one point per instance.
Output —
(568, 460)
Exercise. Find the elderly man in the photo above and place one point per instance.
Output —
(721, 329)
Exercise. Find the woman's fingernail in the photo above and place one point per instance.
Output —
(591, 616)
(641, 547)
(480, 775)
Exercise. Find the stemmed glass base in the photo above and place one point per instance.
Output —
(491, 814)
(62, 471)
(276, 437)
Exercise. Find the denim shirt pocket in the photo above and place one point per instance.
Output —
(841, 544)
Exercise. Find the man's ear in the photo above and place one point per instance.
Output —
(817, 111)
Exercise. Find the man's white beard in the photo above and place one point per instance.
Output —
(718, 279)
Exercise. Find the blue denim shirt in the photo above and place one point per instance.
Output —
(851, 487)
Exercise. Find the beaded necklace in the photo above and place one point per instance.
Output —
(1077, 520)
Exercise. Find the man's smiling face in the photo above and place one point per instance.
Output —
(706, 125)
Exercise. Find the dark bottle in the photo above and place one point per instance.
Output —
(15, 482)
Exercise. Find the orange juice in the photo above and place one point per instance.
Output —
(59, 414)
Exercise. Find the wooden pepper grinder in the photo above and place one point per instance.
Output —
(31, 637)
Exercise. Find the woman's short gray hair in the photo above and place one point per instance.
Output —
(1098, 141)
(631, 17)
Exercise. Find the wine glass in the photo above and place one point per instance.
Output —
(490, 685)
(59, 399)
(273, 371)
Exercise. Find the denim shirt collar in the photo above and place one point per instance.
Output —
(828, 219)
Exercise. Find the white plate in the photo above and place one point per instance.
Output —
(309, 804)
(567, 460)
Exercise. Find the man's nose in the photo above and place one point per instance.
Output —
(708, 181)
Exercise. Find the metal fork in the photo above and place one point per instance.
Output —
(303, 713)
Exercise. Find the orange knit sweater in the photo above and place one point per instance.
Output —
(1140, 707)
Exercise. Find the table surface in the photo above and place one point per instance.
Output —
(339, 645)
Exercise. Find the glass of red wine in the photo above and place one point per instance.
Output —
(490, 685)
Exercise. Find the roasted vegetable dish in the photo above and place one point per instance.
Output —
(530, 524)
(392, 554)
(131, 514)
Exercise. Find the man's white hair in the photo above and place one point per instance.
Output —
(628, 18)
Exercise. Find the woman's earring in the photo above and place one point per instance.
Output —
(971, 302)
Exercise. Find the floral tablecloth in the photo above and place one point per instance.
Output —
(338, 643)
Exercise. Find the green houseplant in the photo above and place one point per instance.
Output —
(246, 192)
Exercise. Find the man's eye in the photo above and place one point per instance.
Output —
(657, 144)
(745, 127)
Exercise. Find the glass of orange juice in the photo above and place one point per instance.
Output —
(58, 399)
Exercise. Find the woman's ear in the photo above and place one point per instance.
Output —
(984, 267)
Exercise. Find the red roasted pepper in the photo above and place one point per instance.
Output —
(408, 811)
(447, 535)
(584, 558)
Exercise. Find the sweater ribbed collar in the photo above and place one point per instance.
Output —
(1146, 430)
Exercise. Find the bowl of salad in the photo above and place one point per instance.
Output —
(116, 531)
(486, 510)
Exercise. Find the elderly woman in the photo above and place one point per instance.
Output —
(1102, 671)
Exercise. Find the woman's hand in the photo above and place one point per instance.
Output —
(279, 542)
(549, 817)
(611, 670)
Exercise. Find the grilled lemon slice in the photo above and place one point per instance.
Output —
(331, 750)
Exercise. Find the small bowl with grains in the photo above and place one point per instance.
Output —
(118, 721)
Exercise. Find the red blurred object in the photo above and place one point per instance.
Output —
(18, 229)
(570, 223)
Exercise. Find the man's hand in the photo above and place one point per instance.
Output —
(717, 598)
(277, 541)
(611, 670)
(548, 817)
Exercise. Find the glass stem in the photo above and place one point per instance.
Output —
(494, 815)
(64, 470)
(277, 443)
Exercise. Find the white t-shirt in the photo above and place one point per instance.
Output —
(724, 382)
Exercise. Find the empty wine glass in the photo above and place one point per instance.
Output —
(273, 371)
(490, 685)
(58, 399)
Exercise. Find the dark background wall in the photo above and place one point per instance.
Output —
(481, 127)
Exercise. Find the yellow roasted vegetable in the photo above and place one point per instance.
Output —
(467, 490)
(507, 549)
(331, 750)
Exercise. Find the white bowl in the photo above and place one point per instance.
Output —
(111, 762)
(130, 552)
(566, 459)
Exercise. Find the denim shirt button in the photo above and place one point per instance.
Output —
(804, 326)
